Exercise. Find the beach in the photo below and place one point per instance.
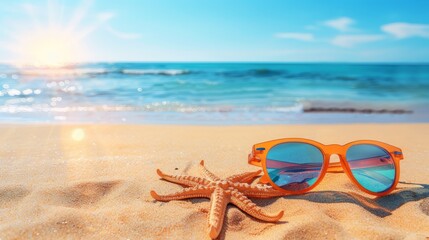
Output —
(93, 181)
(131, 120)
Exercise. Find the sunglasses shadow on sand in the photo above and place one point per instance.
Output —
(379, 206)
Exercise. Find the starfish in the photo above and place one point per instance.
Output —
(235, 189)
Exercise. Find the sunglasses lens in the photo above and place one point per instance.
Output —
(371, 166)
(294, 166)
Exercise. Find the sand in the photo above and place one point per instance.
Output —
(93, 182)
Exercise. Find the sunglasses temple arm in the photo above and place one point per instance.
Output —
(264, 179)
(253, 160)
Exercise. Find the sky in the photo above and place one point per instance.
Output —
(222, 30)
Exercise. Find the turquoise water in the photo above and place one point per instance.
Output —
(215, 93)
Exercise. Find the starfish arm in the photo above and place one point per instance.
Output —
(188, 181)
(191, 192)
(219, 201)
(207, 174)
(242, 202)
(246, 177)
(258, 190)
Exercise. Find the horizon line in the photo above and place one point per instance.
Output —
(232, 62)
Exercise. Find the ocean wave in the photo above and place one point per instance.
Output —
(259, 72)
(26, 105)
(62, 72)
(83, 72)
(268, 73)
(285, 74)
(164, 106)
(168, 72)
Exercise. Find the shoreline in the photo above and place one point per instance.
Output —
(313, 116)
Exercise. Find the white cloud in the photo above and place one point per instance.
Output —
(341, 24)
(406, 30)
(351, 40)
(296, 36)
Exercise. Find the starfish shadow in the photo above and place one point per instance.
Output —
(232, 223)
(379, 206)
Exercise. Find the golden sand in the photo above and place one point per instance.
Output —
(93, 182)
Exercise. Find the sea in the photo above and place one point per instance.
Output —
(215, 93)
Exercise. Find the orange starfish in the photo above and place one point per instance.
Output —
(234, 189)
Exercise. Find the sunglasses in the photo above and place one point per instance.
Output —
(297, 165)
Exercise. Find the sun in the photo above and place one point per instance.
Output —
(51, 48)
(53, 35)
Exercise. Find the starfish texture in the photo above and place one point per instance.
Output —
(235, 189)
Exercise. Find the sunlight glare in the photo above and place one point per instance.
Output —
(50, 37)
(78, 134)
(52, 49)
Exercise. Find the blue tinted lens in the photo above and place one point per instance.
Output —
(371, 166)
(294, 166)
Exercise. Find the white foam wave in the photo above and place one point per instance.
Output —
(62, 72)
(163, 106)
(77, 72)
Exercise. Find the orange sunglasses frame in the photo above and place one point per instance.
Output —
(258, 157)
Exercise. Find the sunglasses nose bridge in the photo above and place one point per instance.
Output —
(333, 149)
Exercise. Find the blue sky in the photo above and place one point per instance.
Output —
(221, 30)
